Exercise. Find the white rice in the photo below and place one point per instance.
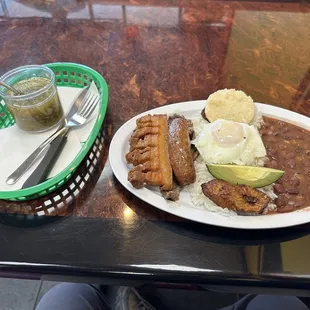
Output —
(198, 199)
(203, 175)
(258, 119)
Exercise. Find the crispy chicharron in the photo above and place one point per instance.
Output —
(149, 153)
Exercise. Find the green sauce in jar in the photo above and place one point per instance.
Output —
(38, 108)
(30, 85)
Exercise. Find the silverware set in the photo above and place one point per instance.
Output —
(78, 115)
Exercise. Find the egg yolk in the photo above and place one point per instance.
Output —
(228, 133)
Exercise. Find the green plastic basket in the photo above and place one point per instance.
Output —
(72, 75)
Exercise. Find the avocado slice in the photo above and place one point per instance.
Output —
(247, 175)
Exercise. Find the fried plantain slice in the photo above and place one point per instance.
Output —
(242, 199)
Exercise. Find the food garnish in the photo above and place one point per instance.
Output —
(246, 175)
(241, 199)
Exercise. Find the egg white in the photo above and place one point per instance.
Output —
(246, 148)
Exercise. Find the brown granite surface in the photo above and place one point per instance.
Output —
(153, 53)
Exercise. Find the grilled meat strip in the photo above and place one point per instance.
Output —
(180, 154)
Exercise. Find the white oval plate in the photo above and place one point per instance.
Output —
(184, 207)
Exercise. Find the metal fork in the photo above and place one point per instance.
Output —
(77, 120)
(84, 112)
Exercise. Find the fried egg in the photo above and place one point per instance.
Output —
(228, 142)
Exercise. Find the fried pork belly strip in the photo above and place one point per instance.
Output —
(242, 199)
(149, 153)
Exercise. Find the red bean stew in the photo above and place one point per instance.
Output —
(288, 149)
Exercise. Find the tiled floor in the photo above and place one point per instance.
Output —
(22, 294)
(184, 300)
(45, 287)
(25, 294)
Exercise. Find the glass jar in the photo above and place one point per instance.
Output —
(38, 108)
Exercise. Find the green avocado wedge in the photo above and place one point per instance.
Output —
(247, 175)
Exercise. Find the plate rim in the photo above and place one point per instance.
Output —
(160, 203)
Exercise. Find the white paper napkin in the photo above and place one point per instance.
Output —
(16, 145)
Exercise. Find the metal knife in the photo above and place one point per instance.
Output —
(47, 163)
(31, 159)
